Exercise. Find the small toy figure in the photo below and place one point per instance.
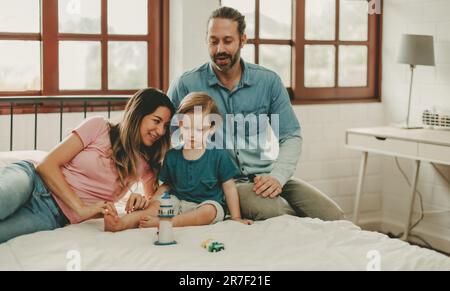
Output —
(213, 246)
(165, 214)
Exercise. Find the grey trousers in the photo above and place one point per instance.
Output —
(303, 200)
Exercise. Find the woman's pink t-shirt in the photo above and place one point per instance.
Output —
(92, 174)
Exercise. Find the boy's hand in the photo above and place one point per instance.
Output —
(136, 202)
(244, 221)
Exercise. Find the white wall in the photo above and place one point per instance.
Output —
(431, 88)
(188, 21)
(328, 165)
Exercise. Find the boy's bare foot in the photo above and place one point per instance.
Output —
(113, 223)
(149, 221)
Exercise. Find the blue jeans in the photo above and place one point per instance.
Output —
(26, 205)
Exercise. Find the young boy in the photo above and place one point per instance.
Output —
(198, 179)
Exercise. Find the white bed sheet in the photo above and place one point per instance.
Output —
(282, 243)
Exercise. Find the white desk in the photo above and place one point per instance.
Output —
(416, 144)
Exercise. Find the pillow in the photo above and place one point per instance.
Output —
(14, 156)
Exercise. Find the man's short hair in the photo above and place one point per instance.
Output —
(232, 14)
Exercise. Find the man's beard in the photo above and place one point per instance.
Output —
(231, 63)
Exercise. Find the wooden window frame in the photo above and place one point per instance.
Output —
(369, 93)
(257, 41)
(157, 40)
(301, 95)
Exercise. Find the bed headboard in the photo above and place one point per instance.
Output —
(37, 103)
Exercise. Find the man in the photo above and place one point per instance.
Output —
(242, 88)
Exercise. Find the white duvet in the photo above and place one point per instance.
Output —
(282, 243)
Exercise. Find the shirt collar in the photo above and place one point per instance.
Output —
(245, 78)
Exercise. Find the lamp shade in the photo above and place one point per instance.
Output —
(416, 50)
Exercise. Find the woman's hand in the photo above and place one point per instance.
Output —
(136, 202)
(97, 209)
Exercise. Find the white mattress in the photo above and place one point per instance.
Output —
(282, 243)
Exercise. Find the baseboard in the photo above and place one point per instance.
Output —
(373, 222)
(437, 241)
(368, 220)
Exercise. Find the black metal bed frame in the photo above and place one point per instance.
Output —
(38, 101)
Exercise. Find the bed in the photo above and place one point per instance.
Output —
(281, 243)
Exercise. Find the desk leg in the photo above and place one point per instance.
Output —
(359, 189)
(412, 199)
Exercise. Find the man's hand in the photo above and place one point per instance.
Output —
(267, 186)
(136, 202)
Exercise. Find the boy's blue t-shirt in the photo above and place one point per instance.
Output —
(198, 180)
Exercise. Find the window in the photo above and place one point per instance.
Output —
(269, 30)
(20, 46)
(324, 50)
(86, 47)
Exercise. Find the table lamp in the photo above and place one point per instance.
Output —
(415, 50)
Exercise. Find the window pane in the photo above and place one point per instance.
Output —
(79, 65)
(247, 8)
(352, 66)
(320, 19)
(276, 19)
(248, 53)
(79, 16)
(127, 65)
(20, 65)
(127, 17)
(19, 16)
(354, 20)
(319, 66)
(277, 58)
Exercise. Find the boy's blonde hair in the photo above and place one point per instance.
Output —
(196, 99)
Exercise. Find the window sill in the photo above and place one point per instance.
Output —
(316, 101)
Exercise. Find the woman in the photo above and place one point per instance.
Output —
(92, 168)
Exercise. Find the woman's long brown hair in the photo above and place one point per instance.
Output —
(127, 147)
